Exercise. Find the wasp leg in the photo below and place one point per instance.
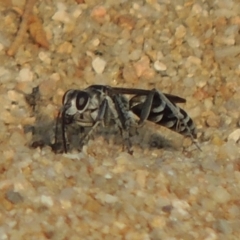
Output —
(123, 121)
(146, 107)
(64, 138)
(100, 117)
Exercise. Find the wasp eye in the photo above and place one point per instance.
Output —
(82, 101)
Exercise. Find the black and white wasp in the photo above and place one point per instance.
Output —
(100, 104)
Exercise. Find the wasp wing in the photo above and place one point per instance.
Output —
(136, 91)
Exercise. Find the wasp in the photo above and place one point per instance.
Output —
(101, 104)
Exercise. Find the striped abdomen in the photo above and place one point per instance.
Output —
(160, 113)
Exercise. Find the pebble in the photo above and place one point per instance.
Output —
(208, 103)
(229, 51)
(143, 69)
(61, 16)
(43, 56)
(194, 60)
(24, 87)
(135, 55)
(127, 21)
(98, 11)
(141, 177)
(181, 206)
(99, 65)
(159, 66)
(47, 200)
(14, 96)
(5, 75)
(65, 47)
(210, 234)
(129, 73)
(47, 87)
(213, 121)
(25, 75)
(13, 197)
(77, 12)
(61, 6)
(55, 77)
(235, 135)
(95, 42)
(196, 9)
(7, 117)
(110, 198)
(224, 226)
(16, 137)
(180, 32)
(221, 195)
(159, 55)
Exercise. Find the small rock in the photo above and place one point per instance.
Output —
(61, 6)
(221, 195)
(135, 54)
(208, 103)
(159, 66)
(180, 32)
(129, 73)
(196, 9)
(95, 42)
(43, 56)
(193, 42)
(99, 65)
(224, 226)
(213, 121)
(24, 87)
(65, 47)
(143, 69)
(167, 208)
(159, 55)
(193, 60)
(47, 87)
(110, 198)
(235, 135)
(141, 177)
(46, 200)
(217, 140)
(55, 77)
(99, 13)
(181, 207)
(7, 117)
(187, 142)
(126, 21)
(17, 136)
(25, 75)
(61, 16)
(3, 71)
(77, 12)
(14, 96)
(108, 176)
(13, 197)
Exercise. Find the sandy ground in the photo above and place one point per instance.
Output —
(167, 189)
